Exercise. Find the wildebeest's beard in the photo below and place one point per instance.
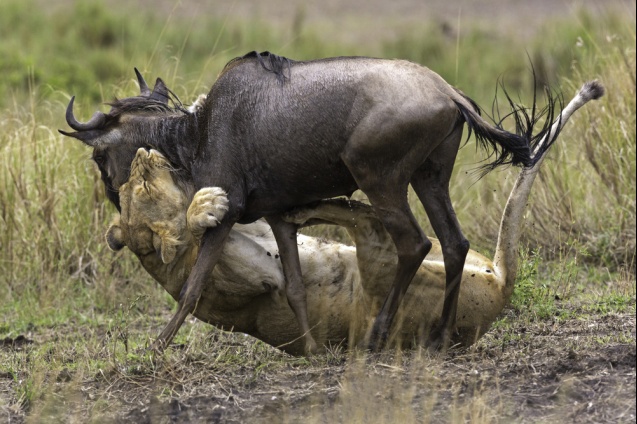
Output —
(111, 163)
(143, 121)
(112, 193)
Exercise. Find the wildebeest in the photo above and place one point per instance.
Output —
(344, 285)
(277, 134)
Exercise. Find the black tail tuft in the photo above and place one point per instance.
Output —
(508, 148)
(524, 147)
(592, 90)
(527, 119)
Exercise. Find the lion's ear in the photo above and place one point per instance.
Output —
(115, 236)
(165, 245)
(168, 251)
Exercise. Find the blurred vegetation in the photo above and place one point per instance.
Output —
(52, 207)
(91, 49)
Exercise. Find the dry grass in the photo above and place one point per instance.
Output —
(75, 318)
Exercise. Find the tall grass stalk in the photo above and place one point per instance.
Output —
(588, 190)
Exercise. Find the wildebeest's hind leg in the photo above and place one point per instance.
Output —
(431, 184)
(390, 204)
(285, 236)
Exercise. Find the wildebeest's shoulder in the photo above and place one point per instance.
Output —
(281, 66)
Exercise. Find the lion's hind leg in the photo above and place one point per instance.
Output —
(343, 212)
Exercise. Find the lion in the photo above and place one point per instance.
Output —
(161, 222)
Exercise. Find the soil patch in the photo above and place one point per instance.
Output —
(573, 370)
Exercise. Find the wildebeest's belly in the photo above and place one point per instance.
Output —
(306, 185)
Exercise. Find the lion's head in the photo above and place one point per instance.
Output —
(153, 217)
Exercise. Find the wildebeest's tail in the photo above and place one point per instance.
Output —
(520, 148)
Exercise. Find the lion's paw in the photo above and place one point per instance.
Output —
(206, 210)
(299, 215)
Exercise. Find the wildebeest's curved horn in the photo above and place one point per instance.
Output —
(143, 87)
(95, 122)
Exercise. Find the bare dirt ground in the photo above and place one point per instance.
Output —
(550, 372)
(579, 370)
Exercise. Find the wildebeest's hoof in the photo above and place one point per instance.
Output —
(207, 209)
(377, 341)
(438, 342)
(311, 349)
(157, 347)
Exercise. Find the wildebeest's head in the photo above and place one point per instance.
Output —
(117, 135)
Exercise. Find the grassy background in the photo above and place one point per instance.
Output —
(55, 269)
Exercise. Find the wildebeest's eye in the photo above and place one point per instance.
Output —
(99, 159)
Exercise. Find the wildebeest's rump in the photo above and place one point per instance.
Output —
(276, 134)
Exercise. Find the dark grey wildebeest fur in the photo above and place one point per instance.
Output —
(277, 134)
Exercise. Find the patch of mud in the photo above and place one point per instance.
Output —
(15, 343)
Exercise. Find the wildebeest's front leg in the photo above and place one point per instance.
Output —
(285, 236)
(209, 253)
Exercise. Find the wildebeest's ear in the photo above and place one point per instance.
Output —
(115, 236)
(160, 92)
(87, 137)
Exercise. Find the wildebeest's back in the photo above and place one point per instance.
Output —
(285, 133)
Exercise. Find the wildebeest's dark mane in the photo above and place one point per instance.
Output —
(146, 104)
(278, 65)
